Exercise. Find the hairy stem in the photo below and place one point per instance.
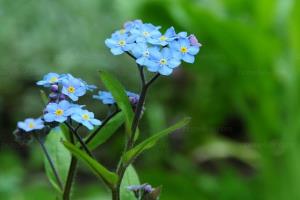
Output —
(83, 145)
(58, 180)
(71, 172)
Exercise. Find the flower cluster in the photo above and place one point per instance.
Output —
(65, 90)
(158, 52)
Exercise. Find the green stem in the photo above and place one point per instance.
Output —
(83, 145)
(130, 143)
(58, 180)
(71, 173)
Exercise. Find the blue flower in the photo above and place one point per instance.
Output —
(163, 40)
(162, 61)
(31, 124)
(145, 32)
(85, 118)
(119, 43)
(49, 79)
(184, 50)
(73, 87)
(105, 97)
(135, 24)
(58, 112)
(141, 52)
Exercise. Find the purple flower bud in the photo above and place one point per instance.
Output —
(53, 96)
(193, 40)
(148, 188)
(62, 97)
(54, 88)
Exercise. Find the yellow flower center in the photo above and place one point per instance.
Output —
(85, 117)
(59, 112)
(71, 89)
(163, 38)
(122, 42)
(163, 61)
(183, 49)
(53, 80)
(146, 34)
(122, 31)
(31, 125)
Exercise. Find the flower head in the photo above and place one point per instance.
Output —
(120, 43)
(164, 39)
(58, 112)
(184, 49)
(73, 87)
(105, 97)
(145, 32)
(162, 61)
(31, 124)
(141, 52)
(49, 79)
(85, 118)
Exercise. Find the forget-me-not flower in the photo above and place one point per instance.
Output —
(162, 61)
(164, 39)
(85, 118)
(141, 53)
(105, 97)
(58, 112)
(184, 50)
(49, 79)
(145, 32)
(119, 43)
(73, 87)
(31, 124)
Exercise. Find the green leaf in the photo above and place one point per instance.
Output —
(95, 166)
(65, 130)
(60, 156)
(107, 131)
(150, 142)
(130, 178)
(119, 94)
(44, 97)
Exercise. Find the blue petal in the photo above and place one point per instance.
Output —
(165, 71)
(193, 50)
(116, 51)
(188, 58)
(96, 122)
(49, 117)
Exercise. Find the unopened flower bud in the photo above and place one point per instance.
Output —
(54, 88)
(53, 96)
(62, 97)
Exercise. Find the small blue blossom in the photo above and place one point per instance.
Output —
(120, 43)
(58, 112)
(135, 24)
(162, 61)
(184, 50)
(85, 118)
(105, 97)
(73, 87)
(31, 124)
(49, 79)
(141, 52)
(163, 40)
(145, 32)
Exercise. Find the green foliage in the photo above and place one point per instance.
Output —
(150, 142)
(95, 166)
(130, 178)
(107, 131)
(60, 156)
(118, 92)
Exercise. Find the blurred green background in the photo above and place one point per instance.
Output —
(242, 94)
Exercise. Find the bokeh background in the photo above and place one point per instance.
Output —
(242, 94)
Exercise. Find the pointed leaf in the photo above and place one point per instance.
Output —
(107, 131)
(94, 165)
(130, 178)
(150, 142)
(60, 156)
(119, 94)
